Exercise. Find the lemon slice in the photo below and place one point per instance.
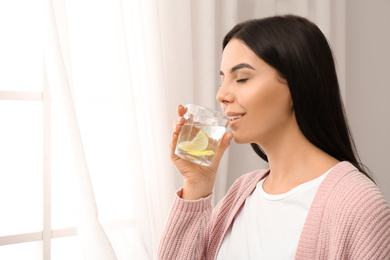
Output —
(207, 152)
(199, 143)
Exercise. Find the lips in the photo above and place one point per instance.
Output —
(234, 117)
(231, 118)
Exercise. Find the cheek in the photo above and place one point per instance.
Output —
(276, 99)
(277, 109)
(270, 110)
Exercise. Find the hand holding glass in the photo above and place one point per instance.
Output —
(201, 134)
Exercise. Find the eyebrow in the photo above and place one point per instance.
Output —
(237, 67)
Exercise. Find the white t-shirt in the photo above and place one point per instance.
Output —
(269, 226)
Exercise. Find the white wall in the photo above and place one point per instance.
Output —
(367, 85)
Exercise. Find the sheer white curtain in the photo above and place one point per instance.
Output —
(117, 70)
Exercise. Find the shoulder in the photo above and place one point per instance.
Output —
(357, 209)
(345, 189)
(352, 190)
(348, 200)
(351, 208)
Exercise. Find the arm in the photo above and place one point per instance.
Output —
(358, 220)
(183, 237)
(195, 231)
(371, 230)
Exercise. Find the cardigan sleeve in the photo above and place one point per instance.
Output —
(370, 226)
(194, 230)
(183, 236)
(356, 222)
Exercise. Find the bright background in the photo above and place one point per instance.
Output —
(88, 94)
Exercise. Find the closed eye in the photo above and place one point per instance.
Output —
(241, 80)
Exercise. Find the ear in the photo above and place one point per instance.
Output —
(292, 104)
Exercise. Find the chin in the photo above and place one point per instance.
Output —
(239, 140)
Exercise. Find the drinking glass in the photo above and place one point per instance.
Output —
(201, 134)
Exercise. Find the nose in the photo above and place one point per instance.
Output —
(224, 95)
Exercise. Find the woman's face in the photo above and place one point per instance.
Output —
(254, 96)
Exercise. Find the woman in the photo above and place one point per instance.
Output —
(280, 90)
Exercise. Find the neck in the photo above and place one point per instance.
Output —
(293, 160)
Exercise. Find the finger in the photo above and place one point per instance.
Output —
(225, 142)
(181, 110)
(178, 121)
(178, 125)
(175, 136)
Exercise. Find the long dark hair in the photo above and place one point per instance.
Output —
(300, 53)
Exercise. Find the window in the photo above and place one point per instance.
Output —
(37, 220)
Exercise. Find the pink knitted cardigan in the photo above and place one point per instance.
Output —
(348, 219)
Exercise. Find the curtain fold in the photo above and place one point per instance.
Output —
(118, 69)
(96, 244)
